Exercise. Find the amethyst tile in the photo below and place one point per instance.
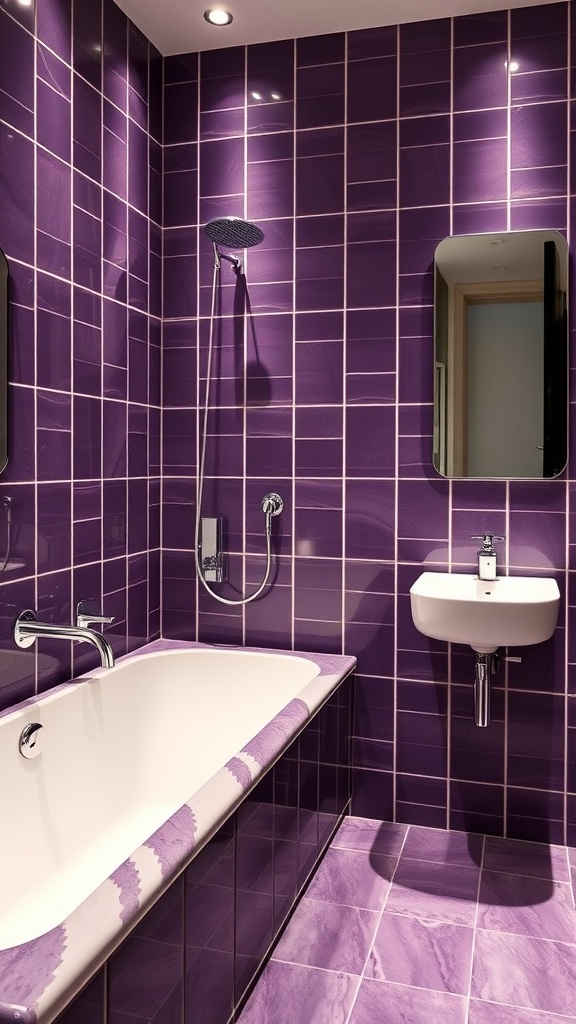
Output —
(537, 860)
(427, 891)
(320, 96)
(378, 542)
(530, 124)
(221, 167)
(526, 906)
(375, 78)
(418, 790)
(371, 835)
(398, 1004)
(17, 194)
(319, 373)
(324, 49)
(53, 121)
(320, 185)
(16, 74)
(433, 187)
(483, 1012)
(266, 197)
(480, 77)
(524, 971)
(422, 953)
(347, 877)
(328, 935)
(546, 86)
(479, 170)
(325, 997)
(450, 848)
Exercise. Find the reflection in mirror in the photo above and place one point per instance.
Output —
(501, 355)
(3, 361)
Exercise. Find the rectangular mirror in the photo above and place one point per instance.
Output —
(501, 355)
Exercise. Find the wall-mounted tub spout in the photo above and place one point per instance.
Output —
(486, 666)
(27, 629)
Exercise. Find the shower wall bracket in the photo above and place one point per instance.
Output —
(211, 554)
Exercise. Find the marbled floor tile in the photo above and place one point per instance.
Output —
(381, 1003)
(481, 1012)
(458, 849)
(424, 954)
(523, 858)
(383, 837)
(328, 935)
(426, 890)
(353, 878)
(288, 994)
(524, 971)
(526, 906)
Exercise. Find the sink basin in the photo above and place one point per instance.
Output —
(510, 611)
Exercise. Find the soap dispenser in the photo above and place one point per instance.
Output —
(487, 556)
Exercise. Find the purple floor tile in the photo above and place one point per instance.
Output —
(425, 954)
(336, 938)
(379, 1003)
(526, 906)
(369, 834)
(524, 858)
(418, 969)
(524, 971)
(429, 891)
(455, 849)
(291, 995)
(352, 878)
(481, 1012)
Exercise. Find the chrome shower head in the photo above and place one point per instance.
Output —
(233, 233)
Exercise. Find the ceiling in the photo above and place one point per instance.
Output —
(178, 26)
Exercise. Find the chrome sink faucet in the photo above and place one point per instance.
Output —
(486, 556)
(27, 629)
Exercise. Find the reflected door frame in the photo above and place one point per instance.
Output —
(463, 296)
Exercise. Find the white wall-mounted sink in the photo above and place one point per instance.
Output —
(510, 611)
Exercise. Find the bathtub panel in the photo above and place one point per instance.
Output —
(145, 974)
(286, 833)
(254, 900)
(88, 1008)
(209, 930)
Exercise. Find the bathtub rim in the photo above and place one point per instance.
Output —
(91, 933)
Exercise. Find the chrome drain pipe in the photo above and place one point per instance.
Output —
(486, 666)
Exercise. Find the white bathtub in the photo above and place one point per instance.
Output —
(140, 765)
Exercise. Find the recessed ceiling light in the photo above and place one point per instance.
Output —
(217, 16)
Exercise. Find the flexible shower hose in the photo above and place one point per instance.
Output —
(267, 509)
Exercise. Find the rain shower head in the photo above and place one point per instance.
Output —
(233, 233)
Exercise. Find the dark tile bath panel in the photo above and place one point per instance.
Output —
(195, 954)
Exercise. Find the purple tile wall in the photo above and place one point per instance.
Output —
(357, 154)
(80, 193)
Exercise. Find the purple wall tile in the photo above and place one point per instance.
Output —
(383, 505)
(358, 492)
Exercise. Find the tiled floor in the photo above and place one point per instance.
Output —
(410, 925)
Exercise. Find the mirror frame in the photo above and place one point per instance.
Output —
(458, 284)
(3, 361)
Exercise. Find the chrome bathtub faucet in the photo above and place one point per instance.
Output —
(27, 629)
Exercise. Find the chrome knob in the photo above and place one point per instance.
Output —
(31, 740)
(272, 504)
